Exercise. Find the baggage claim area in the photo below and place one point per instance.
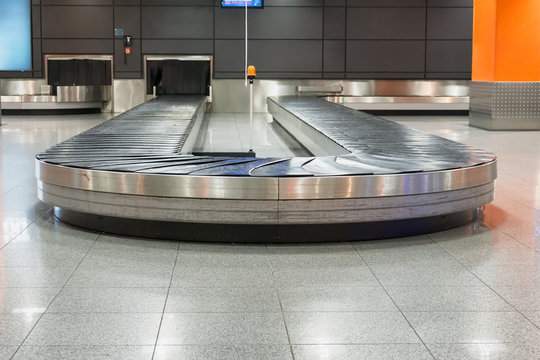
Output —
(269, 180)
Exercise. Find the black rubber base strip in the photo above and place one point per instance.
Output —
(237, 233)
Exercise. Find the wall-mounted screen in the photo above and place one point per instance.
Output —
(15, 35)
(242, 3)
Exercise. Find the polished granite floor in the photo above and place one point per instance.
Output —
(468, 293)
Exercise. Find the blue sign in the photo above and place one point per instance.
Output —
(242, 3)
(15, 35)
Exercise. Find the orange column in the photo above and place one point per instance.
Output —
(506, 40)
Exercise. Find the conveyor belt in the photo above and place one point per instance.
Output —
(149, 139)
(367, 171)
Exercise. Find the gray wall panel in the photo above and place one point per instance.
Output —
(286, 23)
(129, 19)
(450, 3)
(229, 24)
(385, 56)
(334, 23)
(334, 55)
(449, 56)
(386, 23)
(229, 56)
(172, 47)
(167, 22)
(402, 3)
(133, 61)
(450, 23)
(286, 55)
(77, 46)
(68, 22)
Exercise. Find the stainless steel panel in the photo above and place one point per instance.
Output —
(21, 87)
(204, 187)
(83, 93)
(230, 95)
(128, 94)
(385, 185)
(505, 105)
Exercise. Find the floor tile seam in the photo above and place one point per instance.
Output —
(396, 305)
(54, 298)
(20, 232)
(274, 280)
(494, 290)
(16, 186)
(166, 299)
(358, 343)
(510, 236)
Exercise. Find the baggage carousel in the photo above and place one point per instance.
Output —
(368, 178)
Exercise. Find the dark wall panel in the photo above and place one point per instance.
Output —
(385, 56)
(335, 2)
(36, 21)
(385, 75)
(36, 55)
(402, 3)
(293, 3)
(229, 24)
(127, 2)
(167, 22)
(229, 55)
(77, 2)
(450, 23)
(127, 62)
(69, 22)
(334, 23)
(186, 47)
(386, 23)
(77, 46)
(286, 55)
(288, 38)
(177, 2)
(129, 19)
(286, 23)
(450, 3)
(466, 75)
(449, 56)
(334, 55)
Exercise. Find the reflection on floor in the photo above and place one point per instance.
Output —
(467, 293)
